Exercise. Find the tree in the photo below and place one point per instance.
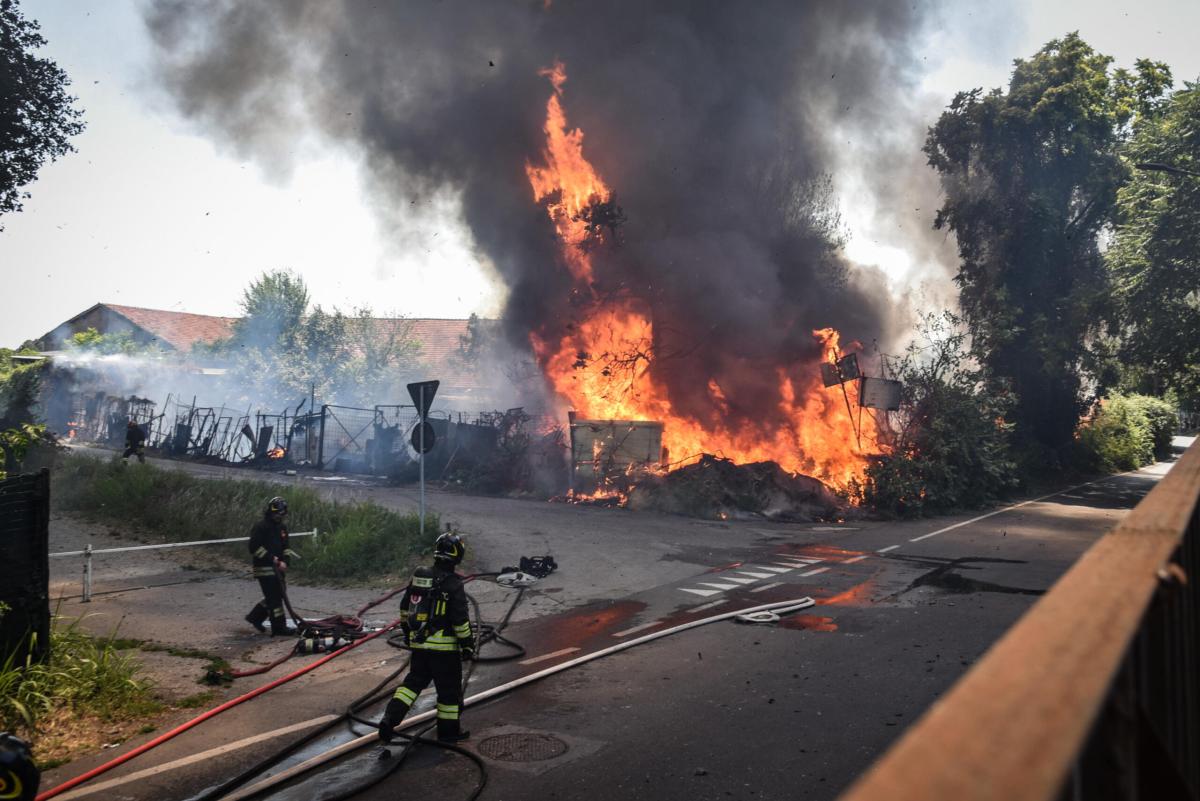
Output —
(93, 341)
(1030, 178)
(1155, 255)
(37, 117)
(273, 309)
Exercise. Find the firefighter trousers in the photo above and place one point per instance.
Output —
(444, 669)
(271, 606)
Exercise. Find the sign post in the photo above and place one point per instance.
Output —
(422, 393)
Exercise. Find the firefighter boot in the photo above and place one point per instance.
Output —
(448, 729)
(279, 625)
(258, 616)
(396, 709)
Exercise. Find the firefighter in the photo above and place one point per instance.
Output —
(269, 551)
(19, 776)
(437, 627)
(135, 442)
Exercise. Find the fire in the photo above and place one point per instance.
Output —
(276, 453)
(604, 366)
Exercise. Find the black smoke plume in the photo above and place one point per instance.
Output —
(709, 120)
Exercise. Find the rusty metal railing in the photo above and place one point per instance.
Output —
(1093, 694)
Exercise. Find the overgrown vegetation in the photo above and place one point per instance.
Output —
(358, 540)
(84, 676)
(1126, 432)
(952, 445)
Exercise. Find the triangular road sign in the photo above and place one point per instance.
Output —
(423, 400)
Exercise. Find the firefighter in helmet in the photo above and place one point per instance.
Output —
(437, 627)
(269, 551)
(135, 442)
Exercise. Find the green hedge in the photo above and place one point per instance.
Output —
(358, 540)
(1126, 432)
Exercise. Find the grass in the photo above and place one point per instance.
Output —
(358, 540)
(84, 677)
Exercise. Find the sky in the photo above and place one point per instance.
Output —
(149, 212)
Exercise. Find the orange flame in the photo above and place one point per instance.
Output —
(604, 366)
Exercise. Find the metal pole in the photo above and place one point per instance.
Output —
(87, 574)
(421, 456)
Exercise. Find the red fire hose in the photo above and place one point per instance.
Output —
(162, 738)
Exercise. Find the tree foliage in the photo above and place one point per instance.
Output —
(92, 341)
(1030, 177)
(1126, 432)
(952, 448)
(1155, 255)
(37, 116)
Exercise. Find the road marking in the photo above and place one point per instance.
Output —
(194, 758)
(719, 586)
(1016, 506)
(833, 528)
(755, 575)
(775, 569)
(814, 572)
(800, 563)
(544, 657)
(767, 586)
(738, 580)
(857, 558)
(702, 593)
(651, 624)
(708, 605)
(889, 548)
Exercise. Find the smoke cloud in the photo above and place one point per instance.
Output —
(713, 122)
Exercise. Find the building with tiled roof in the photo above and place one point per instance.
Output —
(169, 330)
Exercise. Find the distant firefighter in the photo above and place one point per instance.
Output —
(135, 442)
(269, 552)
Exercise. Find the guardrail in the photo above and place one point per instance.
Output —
(88, 552)
(1093, 694)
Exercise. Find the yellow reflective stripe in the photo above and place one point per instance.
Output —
(264, 571)
(441, 636)
(277, 612)
(436, 646)
(404, 694)
(261, 552)
(422, 581)
(291, 553)
(14, 783)
(447, 711)
(463, 630)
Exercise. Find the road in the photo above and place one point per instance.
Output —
(795, 709)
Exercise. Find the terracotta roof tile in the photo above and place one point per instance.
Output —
(180, 330)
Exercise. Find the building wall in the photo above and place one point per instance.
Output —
(104, 320)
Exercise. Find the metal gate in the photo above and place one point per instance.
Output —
(24, 570)
(347, 438)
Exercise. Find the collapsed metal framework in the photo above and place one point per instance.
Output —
(1094, 694)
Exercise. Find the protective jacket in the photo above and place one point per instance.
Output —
(434, 614)
(135, 437)
(268, 542)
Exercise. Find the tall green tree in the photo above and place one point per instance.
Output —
(273, 310)
(1030, 178)
(37, 116)
(1155, 254)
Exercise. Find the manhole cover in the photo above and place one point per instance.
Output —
(522, 747)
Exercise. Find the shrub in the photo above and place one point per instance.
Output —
(357, 540)
(1125, 432)
(951, 448)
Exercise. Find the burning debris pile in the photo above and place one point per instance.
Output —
(719, 489)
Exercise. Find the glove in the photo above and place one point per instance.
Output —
(467, 648)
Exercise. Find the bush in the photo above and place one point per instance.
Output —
(1126, 432)
(951, 449)
(357, 540)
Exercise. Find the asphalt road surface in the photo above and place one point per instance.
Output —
(795, 709)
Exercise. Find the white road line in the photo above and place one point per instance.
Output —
(833, 528)
(719, 586)
(544, 657)
(739, 580)
(814, 572)
(194, 758)
(626, 632)
(775, 569)
(702, 593)
(799, 563)
(857, 558)
(708, 605)
(755, 575)
(889, 548)
(1014, 506)
(767, 586)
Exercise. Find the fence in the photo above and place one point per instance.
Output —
(89, 552)
(1094, 694)
(24, 571)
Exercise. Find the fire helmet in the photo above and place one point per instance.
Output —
(277, 506)
(449, 547)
